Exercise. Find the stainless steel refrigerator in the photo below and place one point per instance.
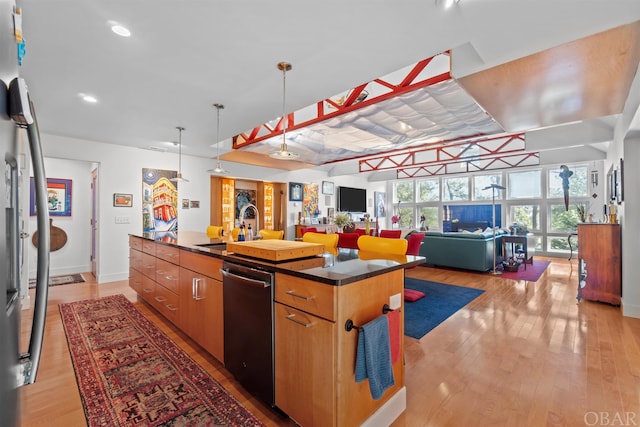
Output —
(17, 119)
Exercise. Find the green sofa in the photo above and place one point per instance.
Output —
(466, 250)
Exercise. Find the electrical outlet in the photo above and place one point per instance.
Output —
(395, 301)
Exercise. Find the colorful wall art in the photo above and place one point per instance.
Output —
(159, 200)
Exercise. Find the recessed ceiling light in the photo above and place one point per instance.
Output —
(88, 98)
(120, 30)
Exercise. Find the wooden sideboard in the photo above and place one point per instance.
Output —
(599, 263)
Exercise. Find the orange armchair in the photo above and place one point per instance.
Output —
(330, 241)
(272, 234)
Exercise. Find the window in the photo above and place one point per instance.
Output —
(480, 182)
(578, 185)
(429, 190)
(528, 215)
(524, 185)
(561, 219)
(430, 213)
(403, 191)
(455, 189)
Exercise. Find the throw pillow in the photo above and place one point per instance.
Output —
(412, 295)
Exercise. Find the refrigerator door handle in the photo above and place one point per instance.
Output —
(21, 111)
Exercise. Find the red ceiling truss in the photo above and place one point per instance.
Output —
(487, 153)
(351, 103)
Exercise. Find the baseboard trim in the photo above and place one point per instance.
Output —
(630, 310)
(387, 413)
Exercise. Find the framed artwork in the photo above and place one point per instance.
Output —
(160, 201)
(195, 204)
(185, 203)
(310, 200)
(295, 192)
(331, 212)
(380, 210)
(612, 184)
(122, 200)
(58, 197)
(327, 187)
(243, 198)
(620, 183)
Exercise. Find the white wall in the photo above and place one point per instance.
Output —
(73, 257)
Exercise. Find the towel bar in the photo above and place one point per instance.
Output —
(348, 325)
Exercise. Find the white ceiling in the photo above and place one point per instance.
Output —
(183, 56)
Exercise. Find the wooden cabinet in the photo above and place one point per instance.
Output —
(599, 263)
(153, 277)
(314, 354)
(304, 373)
(183, 286)
(201, 301)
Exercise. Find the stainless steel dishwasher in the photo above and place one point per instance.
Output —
(248, 328)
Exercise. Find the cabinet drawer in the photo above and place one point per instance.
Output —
(203, 264)
(168, 253)
(135, 259)
(135, 280)
(149, 247)
(167, 275)
(306, 295)
(135, 243)
(148, 289)
(166, 302)
(149, 266)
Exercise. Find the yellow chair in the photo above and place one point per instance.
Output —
(272, 234)
(214, 232)
(383, 245)
(330, 241)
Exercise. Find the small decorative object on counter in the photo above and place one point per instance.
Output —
(249, 232)
(241, 234)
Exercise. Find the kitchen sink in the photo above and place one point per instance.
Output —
(219, 246)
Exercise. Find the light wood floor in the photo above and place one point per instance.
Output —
(521, 354)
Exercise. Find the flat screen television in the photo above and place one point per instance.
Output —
(352, 199)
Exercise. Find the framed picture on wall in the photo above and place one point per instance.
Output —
(295, 192)
(122, 200)
(380, 204)
(58, 197)
(327, 187)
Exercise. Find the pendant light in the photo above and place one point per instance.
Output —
(179, 178)
(218, 169)
(283, 153)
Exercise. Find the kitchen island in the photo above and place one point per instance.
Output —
(314, 354)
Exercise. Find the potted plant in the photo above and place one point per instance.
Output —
(343, 221)
(581, 210)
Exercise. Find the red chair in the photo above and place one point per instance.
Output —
(362, 231)
(348, 240)
(305, 229)
(393, 234)
(414, 242)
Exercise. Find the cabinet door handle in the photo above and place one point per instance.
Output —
(147, 290)
(171, 307)
(196, 289)
(292, 317)
(159, 272)
(170, 255)
(170, 277)
(148, 266)
(304, 297)
(160, 299)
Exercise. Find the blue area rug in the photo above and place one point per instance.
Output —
(439, 303)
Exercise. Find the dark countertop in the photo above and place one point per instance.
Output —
(348, 265)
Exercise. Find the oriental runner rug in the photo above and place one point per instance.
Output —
(131, 374)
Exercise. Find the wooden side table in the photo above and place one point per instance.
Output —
(514, 240)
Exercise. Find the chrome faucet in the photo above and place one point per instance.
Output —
(256, 235)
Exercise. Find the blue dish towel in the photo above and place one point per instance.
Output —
(373, 357)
